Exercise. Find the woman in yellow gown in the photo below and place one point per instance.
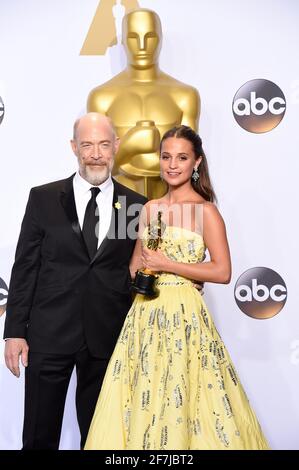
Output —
(170, 383)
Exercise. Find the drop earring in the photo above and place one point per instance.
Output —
(195, 175)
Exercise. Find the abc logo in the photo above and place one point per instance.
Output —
(259, 106)
(1, 110)
(3, 296)
(260, 292)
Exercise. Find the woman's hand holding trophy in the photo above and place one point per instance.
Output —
(153, 260)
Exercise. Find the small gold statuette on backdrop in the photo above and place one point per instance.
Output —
(145, 279)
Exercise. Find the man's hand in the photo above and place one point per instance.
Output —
(199, 286)
(14, 348)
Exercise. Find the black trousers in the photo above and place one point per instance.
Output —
(47, 378)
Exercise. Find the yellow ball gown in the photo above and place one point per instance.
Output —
(170, 383)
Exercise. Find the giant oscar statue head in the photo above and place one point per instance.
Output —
(142, 39)
(143, 103)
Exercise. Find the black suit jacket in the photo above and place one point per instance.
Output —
(59, 298)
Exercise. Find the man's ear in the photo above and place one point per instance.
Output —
(116, 144)
(74, 146)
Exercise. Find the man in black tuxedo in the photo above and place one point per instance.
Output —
(69, 289)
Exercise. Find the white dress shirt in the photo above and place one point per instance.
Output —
(104, 200)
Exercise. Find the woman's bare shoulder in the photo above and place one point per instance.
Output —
(211, 213)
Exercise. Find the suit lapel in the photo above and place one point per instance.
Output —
(68, 202)
(112, 233)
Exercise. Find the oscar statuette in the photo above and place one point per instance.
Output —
(145, 279)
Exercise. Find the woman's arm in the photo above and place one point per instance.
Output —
(136, 262)
(218, 269)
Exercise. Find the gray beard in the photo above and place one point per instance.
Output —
(94, 178)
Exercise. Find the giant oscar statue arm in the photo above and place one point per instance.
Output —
(143, 103)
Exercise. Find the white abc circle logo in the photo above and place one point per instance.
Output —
(259, 106)
(243, 107)
(3, 296)
(260, 292)
(1, 110)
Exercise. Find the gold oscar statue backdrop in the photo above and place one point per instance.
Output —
(143, 103)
